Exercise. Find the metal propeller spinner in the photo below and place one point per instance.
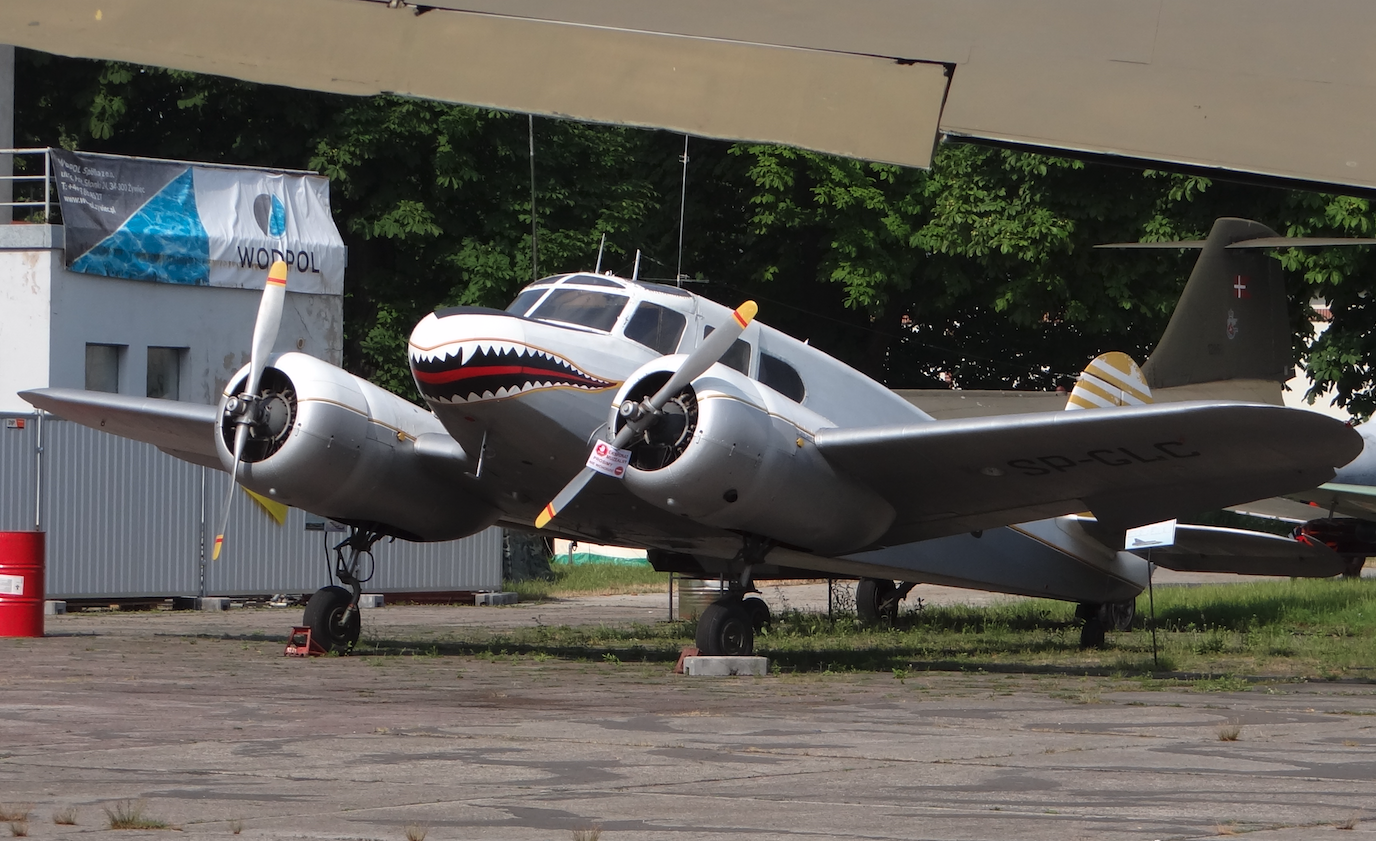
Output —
(244, 409)
(641, 416)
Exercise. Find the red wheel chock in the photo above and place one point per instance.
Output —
(300, 644)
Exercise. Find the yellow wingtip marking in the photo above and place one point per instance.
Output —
(278, 273)
(545, 516)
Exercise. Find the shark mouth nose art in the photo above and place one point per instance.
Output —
(489, 370)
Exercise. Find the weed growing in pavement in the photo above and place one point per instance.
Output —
(417, 831)
(132, 814)
(589, 834)
(1229, 731)
(15, 811)
(65, 817)
(19, 829)
(236, 826)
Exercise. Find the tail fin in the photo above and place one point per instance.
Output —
(1232, 321)
(1113, 379)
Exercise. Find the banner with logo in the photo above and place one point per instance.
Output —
(175, 222)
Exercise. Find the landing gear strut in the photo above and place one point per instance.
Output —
(727, 626)
(332, 612)
(1101, 618)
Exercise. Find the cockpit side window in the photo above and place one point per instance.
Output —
(525, 301)
(585, 307)
(657, 328)
(738, 356)
(782, 377)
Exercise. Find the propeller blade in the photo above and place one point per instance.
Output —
(697, 363)
(240, 439)
(713, 348)
(264, 337)
(269, 320)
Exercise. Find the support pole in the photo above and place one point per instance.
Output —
(1151, 600)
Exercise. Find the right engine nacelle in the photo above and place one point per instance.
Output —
(338, 446)
(739, 456)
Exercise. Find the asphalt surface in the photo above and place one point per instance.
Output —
(200, 717)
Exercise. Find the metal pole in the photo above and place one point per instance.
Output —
(682, 205)
(38, 472)
(1151, 599)
(831, 585)
(201, 547)
(534, 241)
(671, 597)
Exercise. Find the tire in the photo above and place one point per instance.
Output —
(870, 595)
(759, 614)
(724, 629)
(1118, 616)
(325, 615)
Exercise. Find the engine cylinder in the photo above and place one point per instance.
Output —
(750, 466)
(348, 450)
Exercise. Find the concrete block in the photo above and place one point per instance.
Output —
(495, 598)
(725, 666)
(369, 600)
(54, 608)
(212, 604)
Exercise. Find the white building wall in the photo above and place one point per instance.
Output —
(51, 314)
(25, 290)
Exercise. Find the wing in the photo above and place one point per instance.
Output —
(1130, 466)
(184, 430)
(1216, 549)
(1348, 500)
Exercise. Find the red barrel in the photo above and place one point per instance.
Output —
(21, 584)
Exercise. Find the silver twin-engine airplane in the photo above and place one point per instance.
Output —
(729, 449)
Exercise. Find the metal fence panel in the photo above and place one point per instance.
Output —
(123, 519)
(18, 472)
(126, 520)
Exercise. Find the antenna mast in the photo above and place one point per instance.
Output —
(682, 203)
(601, 245)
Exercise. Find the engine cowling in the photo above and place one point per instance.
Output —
(338, 446)
(732, 454)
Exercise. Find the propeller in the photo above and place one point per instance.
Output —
(243, 408)
(641, 416)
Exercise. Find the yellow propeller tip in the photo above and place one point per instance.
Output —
(278, 273)
(545, 516)
(219, 543)
(745, 313)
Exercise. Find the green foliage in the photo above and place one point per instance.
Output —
(591, 579)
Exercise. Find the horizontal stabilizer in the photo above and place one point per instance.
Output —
(1130, 465)
(184, 430)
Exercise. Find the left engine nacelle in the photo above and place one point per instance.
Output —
(735, 455)
(338, 446)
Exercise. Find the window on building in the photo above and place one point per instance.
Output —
(782, 377)
(102, 367)
(657, 328)
(165, 372)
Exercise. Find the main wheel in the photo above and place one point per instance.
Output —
(332, 624)
(724, 629)
(1092, 634)
(758, 612)
(1118, 616)
(870, 597)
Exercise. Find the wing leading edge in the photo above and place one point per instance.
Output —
(1130, 466)
(184, 430)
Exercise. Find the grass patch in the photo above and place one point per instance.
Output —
(1214, 638)
(592, 580)
(15, 811)
(132, 814)
(65, 817)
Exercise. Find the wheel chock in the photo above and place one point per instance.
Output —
(689, 651)
(301, 644)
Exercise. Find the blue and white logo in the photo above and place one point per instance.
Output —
(270, 214)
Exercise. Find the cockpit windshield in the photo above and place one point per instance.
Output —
(585, 307)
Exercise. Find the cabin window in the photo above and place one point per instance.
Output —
(657, 328)
(525, 301)
(738, 356)
(593, 280)
(782, 377)
(584, 307)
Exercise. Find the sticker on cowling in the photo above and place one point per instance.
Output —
(608, 460)
(11, 585)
